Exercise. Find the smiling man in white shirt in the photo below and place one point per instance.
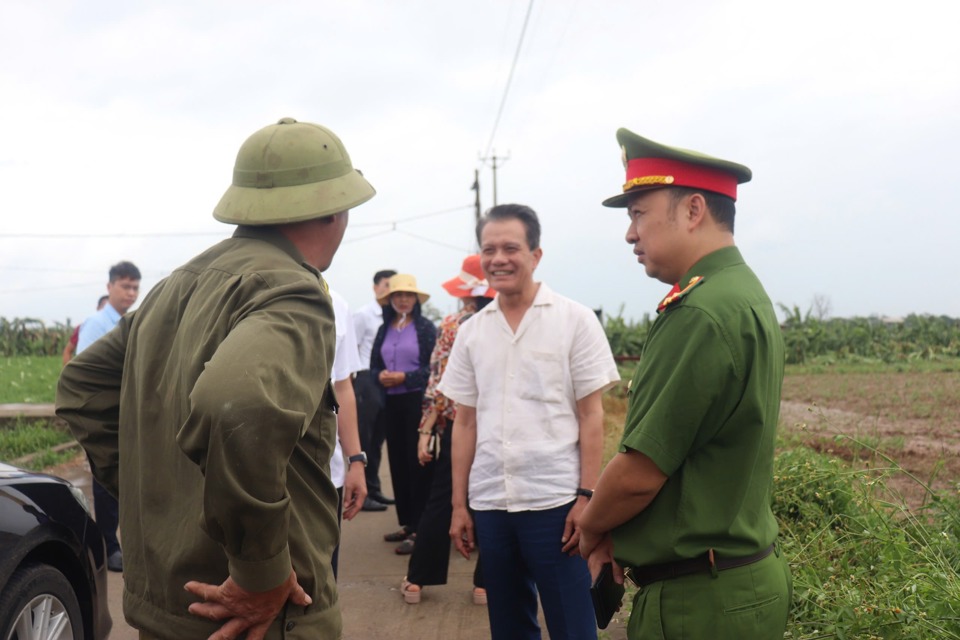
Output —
(527, 373)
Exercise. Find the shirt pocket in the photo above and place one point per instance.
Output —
(541, 376)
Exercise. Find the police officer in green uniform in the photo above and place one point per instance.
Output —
(684, 506)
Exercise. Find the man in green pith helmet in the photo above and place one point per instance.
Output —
(216, 395)
(685, 504)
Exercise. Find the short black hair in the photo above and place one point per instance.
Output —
(102, 300)
(123, 270)
(523, 213)
(722, 208)
(482, 301)
(382, 275)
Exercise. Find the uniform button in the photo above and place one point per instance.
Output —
(291, 625)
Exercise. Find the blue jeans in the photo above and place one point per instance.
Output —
(521, 556)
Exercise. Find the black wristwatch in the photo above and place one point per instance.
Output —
(586, 493)
(360, 457)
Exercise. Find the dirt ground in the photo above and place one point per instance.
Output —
(913, 418)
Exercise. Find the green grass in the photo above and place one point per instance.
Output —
(48, 458)
(24, 437)
(864, 565)
(30, 379)
(831, 365)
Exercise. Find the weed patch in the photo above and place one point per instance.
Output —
(865, 565)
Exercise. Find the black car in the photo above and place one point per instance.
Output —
(53, 571)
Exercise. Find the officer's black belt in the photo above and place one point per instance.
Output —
(706, 563)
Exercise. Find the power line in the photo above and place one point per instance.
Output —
(437, 242)
(182, 234)
(58, 287)
(82, 236)
(50, 270)
(412, 218)
(506, 89)
(368, 236)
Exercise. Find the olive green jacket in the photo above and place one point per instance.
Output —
(209, 413)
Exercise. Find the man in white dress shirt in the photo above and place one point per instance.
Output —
(347, 478)
(527, 373)
(366, 321)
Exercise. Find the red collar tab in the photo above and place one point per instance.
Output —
(676, 293)
(650, 172)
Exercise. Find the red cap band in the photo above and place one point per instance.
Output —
(647, 172)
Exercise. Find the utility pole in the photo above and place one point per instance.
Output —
(476, 199)
(493, 160)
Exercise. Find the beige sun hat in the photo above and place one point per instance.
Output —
(403, 282)
(289, 172)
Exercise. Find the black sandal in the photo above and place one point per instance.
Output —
(406, 547)
(396, 536)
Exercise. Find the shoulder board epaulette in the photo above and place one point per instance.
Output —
(676, 293)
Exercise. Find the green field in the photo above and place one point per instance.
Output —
(31, 379)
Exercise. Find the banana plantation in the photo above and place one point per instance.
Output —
(808, 338)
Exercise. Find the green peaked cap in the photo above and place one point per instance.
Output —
(651, 165)
(290, 172)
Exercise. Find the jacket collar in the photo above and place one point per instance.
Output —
(272, 235)
(712, 263)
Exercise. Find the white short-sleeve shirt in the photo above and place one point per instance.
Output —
(525, 387)
(345, 362)
(366, 322)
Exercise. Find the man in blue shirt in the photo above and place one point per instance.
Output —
(122, 291)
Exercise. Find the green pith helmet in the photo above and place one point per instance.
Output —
(289, 172)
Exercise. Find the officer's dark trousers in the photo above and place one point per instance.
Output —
(369, 406)
(335, 559)
(106, 510)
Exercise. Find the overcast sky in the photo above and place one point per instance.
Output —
(120, 122)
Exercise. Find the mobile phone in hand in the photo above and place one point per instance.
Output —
(607, 596)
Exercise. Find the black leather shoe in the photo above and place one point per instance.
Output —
(406, 547)
(369, 504)
(382, 499)
(115, 561)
